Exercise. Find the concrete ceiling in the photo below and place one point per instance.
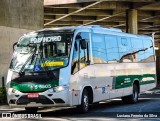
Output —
(108, 13)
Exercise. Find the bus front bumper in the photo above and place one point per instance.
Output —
(44, 99)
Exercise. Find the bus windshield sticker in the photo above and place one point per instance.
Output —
(52, 64)
(37, 68)
(45, 39)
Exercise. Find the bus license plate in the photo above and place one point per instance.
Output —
(33, 95)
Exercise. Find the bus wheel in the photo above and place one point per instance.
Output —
(31, 109)
(132, 98)
(83, 108)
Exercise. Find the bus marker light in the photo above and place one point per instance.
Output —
(76, 94)
(13, 90)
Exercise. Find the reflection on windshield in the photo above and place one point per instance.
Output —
(41, 52)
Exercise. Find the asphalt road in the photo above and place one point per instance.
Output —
(148, 108)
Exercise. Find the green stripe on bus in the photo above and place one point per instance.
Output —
(127, 81)
(33, 87)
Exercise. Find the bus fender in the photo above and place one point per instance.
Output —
(81, 91)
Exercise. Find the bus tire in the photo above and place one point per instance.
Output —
(132, 98)
(84, 107)
(31, 109)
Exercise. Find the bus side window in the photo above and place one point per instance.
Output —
(138, 50)
(149, 52)
(111, 43)
(82, 57)
(75, 68)
(84, 53)
(99, 49)
(125, 50)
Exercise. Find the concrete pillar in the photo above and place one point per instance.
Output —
(16, 18)
(132, 21)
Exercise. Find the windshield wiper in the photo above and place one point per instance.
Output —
(21, 70)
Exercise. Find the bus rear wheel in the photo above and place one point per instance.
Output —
(31, 109)
(132, 98)
(84, 107)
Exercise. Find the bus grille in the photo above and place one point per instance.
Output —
(41, 99)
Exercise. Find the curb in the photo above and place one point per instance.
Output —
(152, 92)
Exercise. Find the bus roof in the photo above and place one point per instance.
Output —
(94, 29)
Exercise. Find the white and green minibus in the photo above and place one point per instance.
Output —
(78, 66)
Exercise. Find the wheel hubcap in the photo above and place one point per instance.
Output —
(85, 102)
(135, 95)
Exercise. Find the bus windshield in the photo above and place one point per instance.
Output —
(38, 52)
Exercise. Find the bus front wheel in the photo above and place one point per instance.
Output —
(84, 107)
(132, 98)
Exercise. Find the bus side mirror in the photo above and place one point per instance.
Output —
(14, 45)
(83, 44)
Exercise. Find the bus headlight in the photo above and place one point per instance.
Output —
(12, 90)
(60, 88)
